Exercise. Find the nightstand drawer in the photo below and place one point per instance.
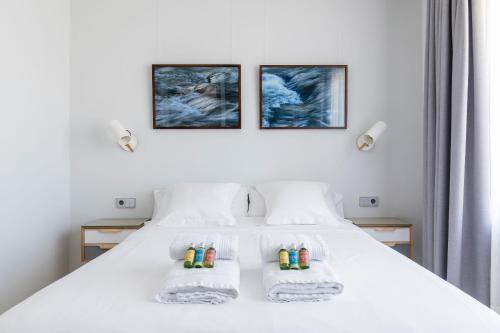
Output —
(93, 251)
(388, 234)
(404, 249)
(107, 236)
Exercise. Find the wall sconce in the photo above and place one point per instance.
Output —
(125, 138)
(366, 141)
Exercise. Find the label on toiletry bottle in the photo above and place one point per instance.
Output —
(293, 258)
(209, 259)
(210, 256)
(303, 257)
(189, 255)
(198, 256)
(284, 259)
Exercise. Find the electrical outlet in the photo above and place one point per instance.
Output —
(125, 202)
(368, 201)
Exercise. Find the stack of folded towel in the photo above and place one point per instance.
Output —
(318, 283)
(207, 285)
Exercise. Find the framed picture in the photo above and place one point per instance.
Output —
(196, 96)
(303, 96)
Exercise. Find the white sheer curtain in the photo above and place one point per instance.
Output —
(494, 51)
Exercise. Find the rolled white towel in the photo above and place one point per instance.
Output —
(226, 246)
(270, 245)
(318, 283)
(201, 286)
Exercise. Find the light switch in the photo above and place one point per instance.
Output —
(130, 203)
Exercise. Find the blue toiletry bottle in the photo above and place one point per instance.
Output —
(198, 255)
(294, 257)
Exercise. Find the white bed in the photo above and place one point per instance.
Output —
(384, 292)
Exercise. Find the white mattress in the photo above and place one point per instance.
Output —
(384, 292)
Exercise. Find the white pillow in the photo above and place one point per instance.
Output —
(335, 202)
(257, 205)
(239, 207)
(195, 204)
(296, 202)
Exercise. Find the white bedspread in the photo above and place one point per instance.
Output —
(383, 292)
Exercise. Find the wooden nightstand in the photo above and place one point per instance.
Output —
(101, 235)
(390, 231)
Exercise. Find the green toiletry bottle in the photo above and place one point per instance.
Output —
(303, 257)
(189, 256)
(209, 259)
(284, 259)
(294, 257)
(198, 255)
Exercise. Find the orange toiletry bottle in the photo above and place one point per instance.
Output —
(209, 259)
(303, 257)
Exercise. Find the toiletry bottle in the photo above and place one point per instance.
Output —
(303, 257)
(294, 257)
(198, 256)
(189, 256)
(209, 259)
(284, 258)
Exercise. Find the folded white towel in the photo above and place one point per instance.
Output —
(201, 285)
(226, 246)
(318, 283)
(270, 245)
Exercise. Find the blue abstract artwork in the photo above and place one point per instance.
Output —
(303, 96)
(196, 96)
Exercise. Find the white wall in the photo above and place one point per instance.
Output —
(34, 131)
(114, 43)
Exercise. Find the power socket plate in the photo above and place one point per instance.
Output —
(125, 202)
(371, 201)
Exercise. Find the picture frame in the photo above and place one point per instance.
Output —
(196, 96)
(303, 96)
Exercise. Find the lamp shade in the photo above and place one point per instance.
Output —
(124, 137)
(367, 140)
